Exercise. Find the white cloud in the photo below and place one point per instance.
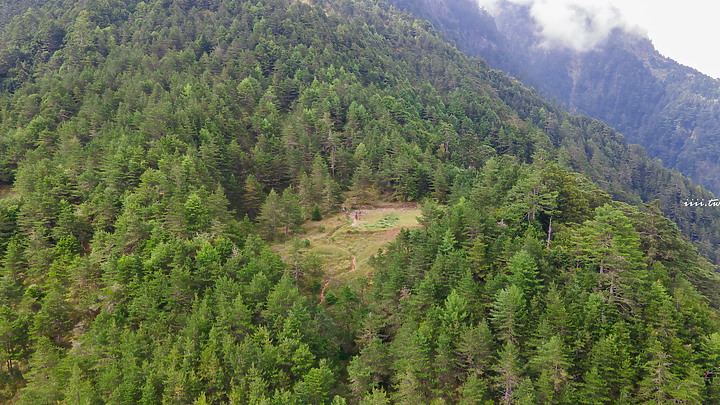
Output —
(684, 31)
(576, 24)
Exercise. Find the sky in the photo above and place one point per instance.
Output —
(686, 31)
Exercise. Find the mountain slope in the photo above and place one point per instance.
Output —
(155, 149)
(669, 109)
(104, 49)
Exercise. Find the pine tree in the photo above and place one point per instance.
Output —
(475, 348)
(80, 389)
(319, 178)
(271, 214)
(297, 257)
(290, 210)
(316, 385)
(525, 393)
(531, 195)
(595, 390)
(455, 312)
(660, 385)
(508, 314)
(362, 190)
(507, 370)
(478, 257)
(524, 273)
(330, 195)
(14, 259)
(555, 312)
(551, 363)
(376, 397)
(196, 215)
(474, 391)
(257, 389)
(305, 192)
(253, 196)
(440, 185)
(45, 382)
(448, 242)
(610, 243)
(316, 215)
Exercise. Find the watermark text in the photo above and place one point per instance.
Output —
(702, 203)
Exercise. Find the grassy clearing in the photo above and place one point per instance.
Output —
(337, 238)
(388, 221)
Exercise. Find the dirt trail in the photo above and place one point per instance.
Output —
(354, 219)
(354, 216)
(352, 268)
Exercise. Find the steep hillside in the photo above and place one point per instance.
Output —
(156, 150)
(111, 72)
(669, 109)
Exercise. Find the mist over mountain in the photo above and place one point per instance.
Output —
(590, 60)
(579, 25)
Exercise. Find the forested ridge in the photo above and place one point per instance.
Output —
(155, 150)
(669, 109)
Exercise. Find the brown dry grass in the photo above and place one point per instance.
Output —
(338, 238)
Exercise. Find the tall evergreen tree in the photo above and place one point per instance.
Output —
(271, 214)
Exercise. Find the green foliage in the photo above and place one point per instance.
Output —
(670, 115)
(508, 313)
(535, 317)
(150, 144)
(271, 215)
(316, 215)
(315, 385)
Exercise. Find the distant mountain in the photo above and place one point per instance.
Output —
(670, 109)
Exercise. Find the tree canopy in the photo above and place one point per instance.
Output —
(154, 151)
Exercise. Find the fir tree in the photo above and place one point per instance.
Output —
(316, 215)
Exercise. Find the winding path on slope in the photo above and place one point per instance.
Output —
(384, 233)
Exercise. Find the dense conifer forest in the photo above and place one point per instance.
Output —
(153, 153)
(654, 101)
